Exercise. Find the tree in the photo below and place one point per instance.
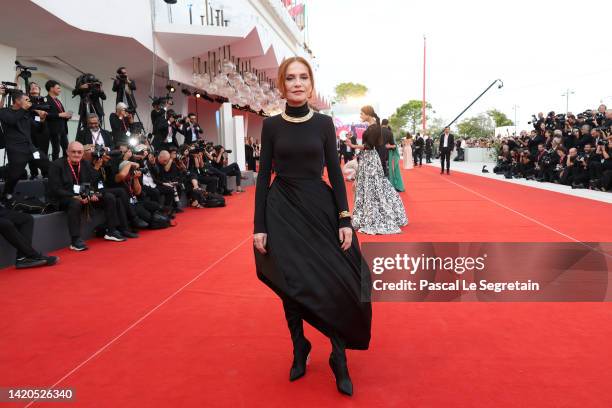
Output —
(499, 118)
(477, 126)
(435, 127)
(409, 114)
(347, 89)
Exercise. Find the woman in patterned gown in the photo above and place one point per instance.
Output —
(378, 207)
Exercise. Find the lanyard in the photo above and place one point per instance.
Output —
(76, 177)
(125, 128)
(96, 137)
(58, 104)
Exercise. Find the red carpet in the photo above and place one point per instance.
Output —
(102, 321)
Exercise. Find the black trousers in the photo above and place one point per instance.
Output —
(211, 182)
(428, 155)
(17, 162)
(73, 207)
(222, 177)
(418, 157)
(58, 140)
(17, 228)
(125, 211)
(232, 170)
(445, 153)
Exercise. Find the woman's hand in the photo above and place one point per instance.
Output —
(346, 237)
(259, 241)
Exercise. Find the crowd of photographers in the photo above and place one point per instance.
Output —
(136, 179)
(567, 149)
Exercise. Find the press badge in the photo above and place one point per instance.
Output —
(36, 118)
(133, 200)
(169, 139)
(100, 185)
(36, 155)
(128, 134)
(76, 189)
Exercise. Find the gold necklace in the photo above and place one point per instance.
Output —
(302, 119)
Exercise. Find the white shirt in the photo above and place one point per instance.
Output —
(445, 140)
(97, 138)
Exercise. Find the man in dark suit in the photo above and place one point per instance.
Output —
(89, 88)
(57, 120)
(17, 123)
(125, 87)
(447, 144)
(428, 148)
(191, 129)
(93, 136)
(68, 179)
(419, 145)
(165, 130)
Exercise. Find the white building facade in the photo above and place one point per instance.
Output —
(186, 45)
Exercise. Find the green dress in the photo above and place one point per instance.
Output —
(395, 175)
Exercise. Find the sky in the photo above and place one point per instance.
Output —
(538, 48)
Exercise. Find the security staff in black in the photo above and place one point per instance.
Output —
(17, 122)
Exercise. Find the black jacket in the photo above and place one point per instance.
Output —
(119, 87)
(17, 126)
(187, 127)
(160, 132)
(85, 137)
(61, 179)
(55, 124)
(451, 142)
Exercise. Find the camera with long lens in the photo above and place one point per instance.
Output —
(98, 153)
(218, 148)
(25, 71)
(533, 121)
(86, 191)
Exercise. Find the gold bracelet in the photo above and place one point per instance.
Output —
(345, 214)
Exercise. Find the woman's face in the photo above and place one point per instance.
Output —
(298, 84)
(363, 117)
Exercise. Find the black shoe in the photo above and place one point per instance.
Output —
(138, 222)
(114, 235)
(51, 260)
(23, 263)
(447, 172)
(442, 172)
(343, 380)
(301, 355)
(78, 245)
(178, 210)
(129, 234)
(227, 192)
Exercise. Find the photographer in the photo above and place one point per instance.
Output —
(111, 182)
(525, 167)
(168, 178)
(57, 120)
(89, 88)
(17, 122)
(70, 187)
(585, 137)
(165, 130)
(121, 121)
(93, 137)
(220, 163)
(193, 161)
(537, 137)
(160, 106)
(125, 87)
(604, 180)
(192, 130)
(40, 133)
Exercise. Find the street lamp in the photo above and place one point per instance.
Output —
(566, 95)
(515, 108)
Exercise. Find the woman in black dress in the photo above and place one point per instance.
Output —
(305, 250)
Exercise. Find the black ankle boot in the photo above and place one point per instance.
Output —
(301, 355)
(338, 364)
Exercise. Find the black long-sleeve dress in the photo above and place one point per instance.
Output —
(300, 213)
